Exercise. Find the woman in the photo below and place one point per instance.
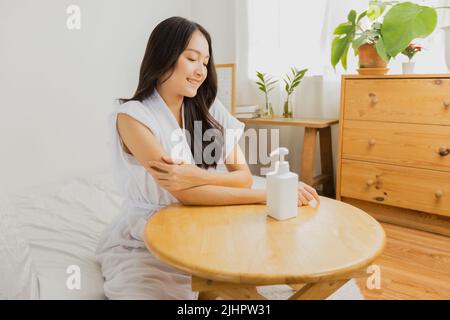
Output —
(177, 89)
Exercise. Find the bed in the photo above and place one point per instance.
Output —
(49, 233)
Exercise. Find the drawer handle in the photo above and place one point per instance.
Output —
(373, 97)
(443, 151)
(447, 104)
(438, 194)
(370, 182)
(372, 142)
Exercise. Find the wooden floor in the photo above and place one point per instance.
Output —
(414, 265)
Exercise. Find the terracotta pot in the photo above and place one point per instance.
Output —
(369, 57)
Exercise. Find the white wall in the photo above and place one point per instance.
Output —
(218, 18)
(57, 86)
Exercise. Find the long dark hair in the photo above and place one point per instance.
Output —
(166, 43)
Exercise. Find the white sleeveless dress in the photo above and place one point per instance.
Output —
(129, 269)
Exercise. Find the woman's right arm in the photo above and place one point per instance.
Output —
(210, 195)
(145, 147)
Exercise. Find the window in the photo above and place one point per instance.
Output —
(286, 33)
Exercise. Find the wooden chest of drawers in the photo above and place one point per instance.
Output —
(394, 148)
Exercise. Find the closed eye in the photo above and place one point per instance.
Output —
(205, 64)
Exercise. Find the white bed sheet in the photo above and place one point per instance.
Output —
(62, 224)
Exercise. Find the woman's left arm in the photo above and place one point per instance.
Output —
(174, 175)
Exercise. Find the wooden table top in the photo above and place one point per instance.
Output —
(241, 244)
(318, 123)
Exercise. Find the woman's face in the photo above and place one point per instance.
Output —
(190, 70)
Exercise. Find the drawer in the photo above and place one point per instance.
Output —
(411, 188)
(398, 100)
(414, 145)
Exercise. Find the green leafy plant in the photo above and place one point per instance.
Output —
(290, 84)
(266, 84)
(392, 25)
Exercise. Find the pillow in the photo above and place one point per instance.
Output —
(18, 277)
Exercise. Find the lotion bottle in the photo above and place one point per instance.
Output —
(282, 186)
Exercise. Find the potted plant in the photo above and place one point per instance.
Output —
(410, 52)
(266, 84)
(291, 84)
(381, 32)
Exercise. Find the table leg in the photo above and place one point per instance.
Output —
(235, 293)
(207, 295)
(318, 291)
(308, 154)
(210, 290)
(326, 158)
(296, 287)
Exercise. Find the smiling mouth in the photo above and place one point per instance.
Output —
(193, 82)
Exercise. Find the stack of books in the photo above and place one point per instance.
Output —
(247, 111)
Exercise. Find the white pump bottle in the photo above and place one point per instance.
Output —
(282, 185)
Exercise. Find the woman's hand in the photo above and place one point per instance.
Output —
(175, 175)
(306, 193)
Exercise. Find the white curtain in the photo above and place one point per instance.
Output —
(289, 33)
(285, 33)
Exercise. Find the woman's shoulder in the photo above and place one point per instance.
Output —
(130, 105)
(223, 115)
(217, 109)
(144, 108)
(149, 104)
(140, 111)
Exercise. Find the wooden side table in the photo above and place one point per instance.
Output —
(231, 250)
(312, 127)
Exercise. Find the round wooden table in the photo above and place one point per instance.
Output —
(229, 250)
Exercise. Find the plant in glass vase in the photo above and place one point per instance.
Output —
(266, 84)
(410, 52)
(291, 84)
